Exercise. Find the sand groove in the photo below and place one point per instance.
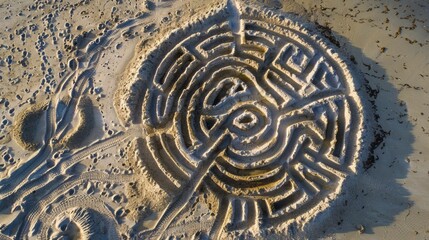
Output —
(39, 205)
(241, 104)
(264, 109)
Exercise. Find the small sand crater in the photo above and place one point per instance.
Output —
(28, 128)
(76, 138)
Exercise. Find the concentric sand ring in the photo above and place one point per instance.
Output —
(268, 115)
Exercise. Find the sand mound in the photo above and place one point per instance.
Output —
(145, 192)
(26, 126)
(79, 223)
(76, 137)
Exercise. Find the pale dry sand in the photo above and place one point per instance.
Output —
(218, 119)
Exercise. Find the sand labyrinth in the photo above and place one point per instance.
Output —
(259, 110)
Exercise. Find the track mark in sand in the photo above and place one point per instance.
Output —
(41, 217)
(242, 108)
(253, 106)
(71, 219)
(25, 188)
(38, 196)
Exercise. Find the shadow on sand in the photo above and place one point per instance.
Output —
(375, 197)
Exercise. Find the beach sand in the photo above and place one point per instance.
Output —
(217, 119)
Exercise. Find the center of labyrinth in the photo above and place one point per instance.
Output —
(266, 117)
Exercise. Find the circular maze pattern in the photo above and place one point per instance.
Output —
(266, 116)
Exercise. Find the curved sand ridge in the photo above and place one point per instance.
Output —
(80, 223)
(53, 181)
(252, 105)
